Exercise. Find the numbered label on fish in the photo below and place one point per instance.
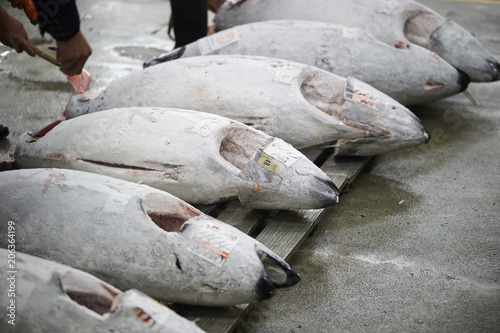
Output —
(214, 244)
(278, 155)
(366, 95)
(285, 74)
(151, 313)
(216, 41)
(205, 127)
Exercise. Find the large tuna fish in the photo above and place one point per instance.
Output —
(134, 236)
(43, 296)
(300, 104)
(409, 74)
(199, 157)
(391, 21)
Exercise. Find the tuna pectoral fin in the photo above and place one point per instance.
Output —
(37, 134)
(88, 291)
(278, 271)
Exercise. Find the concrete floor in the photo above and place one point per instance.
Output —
(413, 246)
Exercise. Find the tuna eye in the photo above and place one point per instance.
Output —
(168, 222)
(94, 302)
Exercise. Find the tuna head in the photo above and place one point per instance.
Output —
(280, 177)
(223, 265)
(377, 123)
(465, 52)
(454, 44)
(388, 125)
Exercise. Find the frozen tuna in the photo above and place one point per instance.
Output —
(301, 104)
(50, 297)
(391, 21)
(134, 236)
(199, 157)
(408, 73)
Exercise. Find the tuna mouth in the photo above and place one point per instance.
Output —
(495, 68)
(327, 191)
(464, 80)
(277, 272)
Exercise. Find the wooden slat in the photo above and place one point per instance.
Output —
(343, 170)
(283, 234)
(246, 220)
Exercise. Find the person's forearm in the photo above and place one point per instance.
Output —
(13, 34)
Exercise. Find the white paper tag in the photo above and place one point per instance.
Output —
(282, 152)
(213, 244)
(205, 127)
(285, 74)
(218, 40)
(365, 94)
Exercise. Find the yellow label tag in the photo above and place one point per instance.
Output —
(270, 163)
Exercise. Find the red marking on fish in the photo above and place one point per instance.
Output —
(141, 114)
(53, 177)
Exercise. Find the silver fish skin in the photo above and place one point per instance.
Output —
(135, 236)
(319, 107)
(390, 21)
(50, 297)
(408, 73)
(199, 157)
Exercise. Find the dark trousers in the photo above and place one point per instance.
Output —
(189, 20)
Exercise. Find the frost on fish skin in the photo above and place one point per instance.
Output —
(195, 260)
(63, 299)
(400, 73)
(195, 156)
(390, 21)
(251, 89)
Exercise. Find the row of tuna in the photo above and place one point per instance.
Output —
(132, 160)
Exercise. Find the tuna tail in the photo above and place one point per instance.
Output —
(463, 51)
(172, 55)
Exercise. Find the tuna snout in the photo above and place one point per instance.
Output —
(495, 70)
(275, 274)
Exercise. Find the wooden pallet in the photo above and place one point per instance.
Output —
(280, 231)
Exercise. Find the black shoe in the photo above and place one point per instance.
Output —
(4, 131)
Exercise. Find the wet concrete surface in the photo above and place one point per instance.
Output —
(413, 246)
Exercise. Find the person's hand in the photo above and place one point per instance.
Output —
(16, 4)
(13, 34)
(214, 5)
(73, 53)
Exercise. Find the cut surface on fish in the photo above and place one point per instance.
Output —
(179, 255)
(408, 73)
(59, 298)
(199, 157)
(390, 21)
(319, 107)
